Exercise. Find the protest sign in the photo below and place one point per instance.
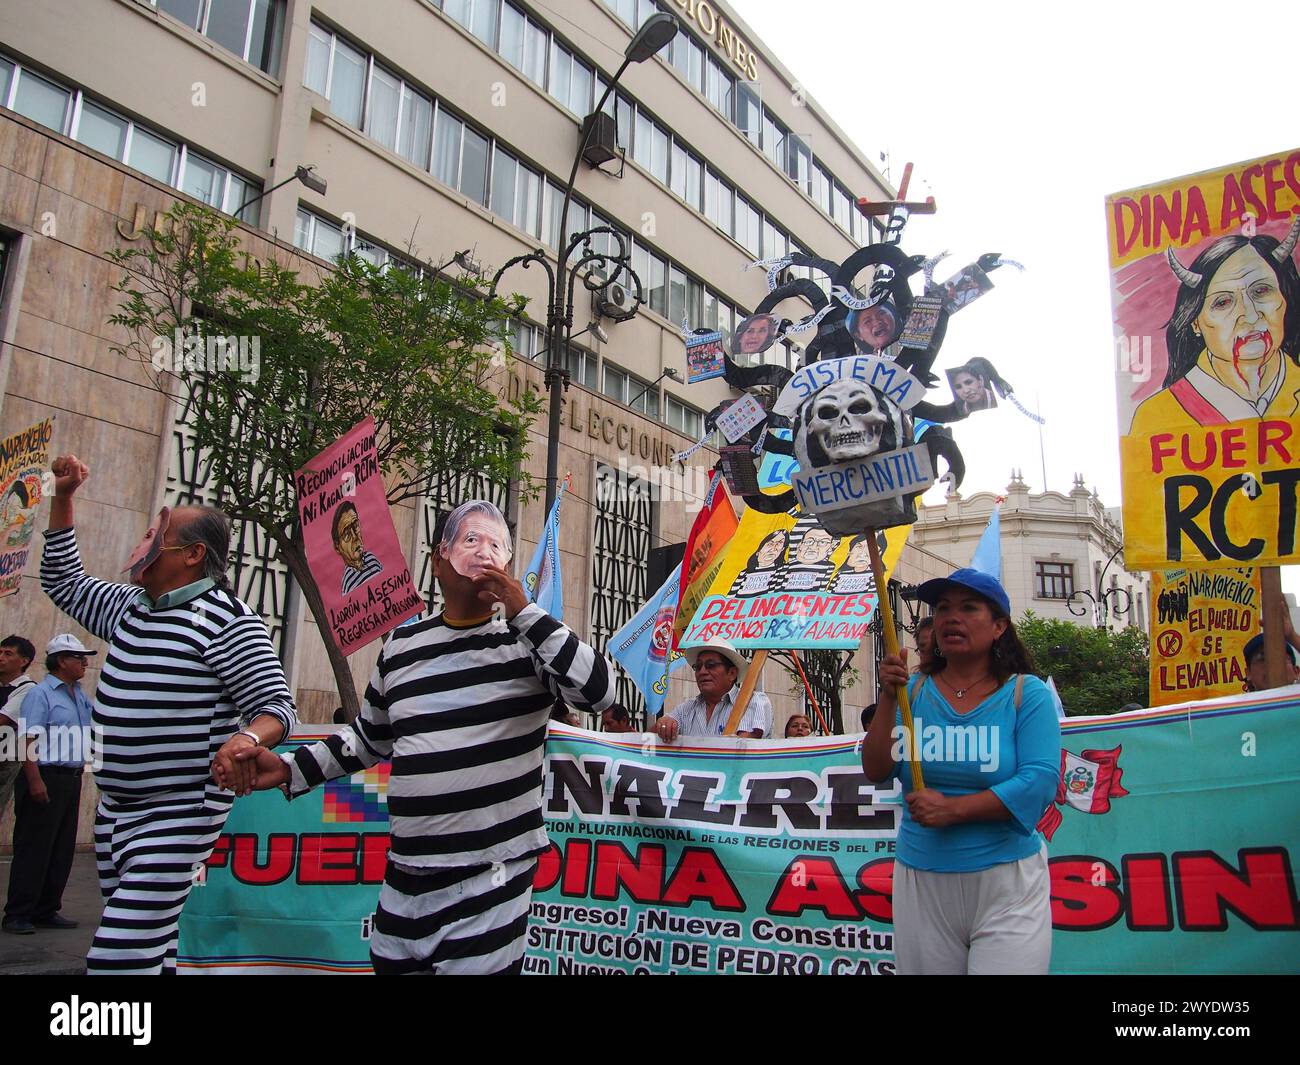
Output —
(1204, 295)
(743, 856)
(350, 541)
(24, 458)
(1200, 623)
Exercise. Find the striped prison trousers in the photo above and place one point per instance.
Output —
(453, 922)
(147, 860)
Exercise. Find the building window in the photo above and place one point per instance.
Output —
(630, 391)
(1053, 580)
(477, 16)
(71, 113)
(252, 29)
(621, 540)
(749, 111)
(686, 420)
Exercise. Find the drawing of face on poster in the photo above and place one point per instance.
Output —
(475, 536)
(854, 575)
(359, 565)
(966, 287)
(754, 335)
(1233, 323)
(844, 420)
(17, 510)
(874, 328)
(758, 576)
(808, 565)
(972, 388)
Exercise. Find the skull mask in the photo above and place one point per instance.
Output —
(847, 420)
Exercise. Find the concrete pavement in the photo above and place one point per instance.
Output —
(56, 953)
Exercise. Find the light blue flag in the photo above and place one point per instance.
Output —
(643, 647)
(988, 552)
(542, 578)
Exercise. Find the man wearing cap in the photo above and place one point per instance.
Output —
(719, 669)
(1257, 669)
(56, 720)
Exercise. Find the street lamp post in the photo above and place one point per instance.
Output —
(594, 268)
(1101, 607)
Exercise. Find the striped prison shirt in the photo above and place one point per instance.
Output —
(177, 681)
(462, 713)
(355, 578)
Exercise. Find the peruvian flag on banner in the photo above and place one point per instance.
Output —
(1089, 780)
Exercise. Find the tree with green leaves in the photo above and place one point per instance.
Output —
(417, 350)
(1096, 671)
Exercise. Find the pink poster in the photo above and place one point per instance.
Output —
(351, 544)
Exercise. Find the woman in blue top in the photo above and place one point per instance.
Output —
(971, 886)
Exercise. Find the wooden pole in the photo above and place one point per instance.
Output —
(746, 691)
(1273, 617)
(891, 645)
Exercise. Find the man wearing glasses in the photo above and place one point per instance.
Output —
(719, 669)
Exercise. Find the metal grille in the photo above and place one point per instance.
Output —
(620, 560)
(258, 576)
(823, 669)
(457, 487)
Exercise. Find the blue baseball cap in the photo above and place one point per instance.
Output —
(972, 580)
(1256, 644)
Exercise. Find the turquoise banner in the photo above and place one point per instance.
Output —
(1171, 842)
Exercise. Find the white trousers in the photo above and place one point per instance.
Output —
(997, 921)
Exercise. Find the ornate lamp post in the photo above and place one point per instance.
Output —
(578, 258)
(1104, 600)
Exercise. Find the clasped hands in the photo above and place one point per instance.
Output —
(242, 766)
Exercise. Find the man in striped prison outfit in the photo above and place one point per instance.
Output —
(460, 703)
(188, 666)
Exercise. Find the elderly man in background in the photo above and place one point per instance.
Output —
(719, 669)
(56, 721)
(16, 657)
(189, 679)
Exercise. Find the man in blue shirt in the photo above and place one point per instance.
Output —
(56, 720)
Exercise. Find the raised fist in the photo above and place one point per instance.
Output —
(69, 474)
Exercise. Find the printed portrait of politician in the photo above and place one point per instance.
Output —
(971, 387)
(359, 565)
(1233, 339)
(754, 335)
(874, 328)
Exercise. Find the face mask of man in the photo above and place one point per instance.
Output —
(149, 548)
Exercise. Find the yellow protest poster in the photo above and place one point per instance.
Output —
(1201, 621)
(786, 582)
(1206, 303)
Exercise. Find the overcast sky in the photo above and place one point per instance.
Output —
(1019, 119)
